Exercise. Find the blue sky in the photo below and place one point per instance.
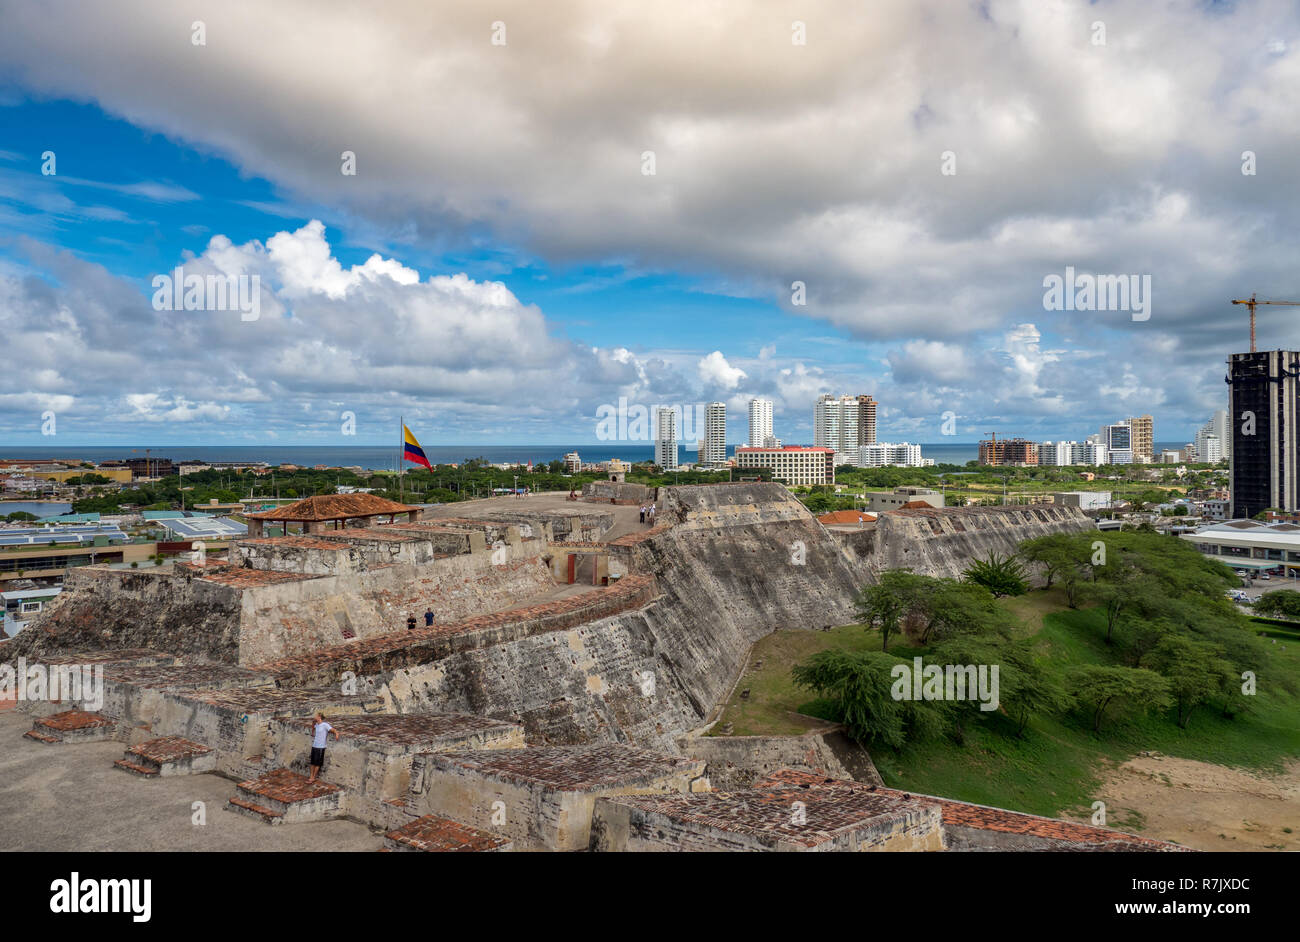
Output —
(501, 264)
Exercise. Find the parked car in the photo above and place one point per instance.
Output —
(1265, 576)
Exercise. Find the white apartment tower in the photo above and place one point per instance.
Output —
(835, 424)
(760, 422)
(714, 453)
(666, 440)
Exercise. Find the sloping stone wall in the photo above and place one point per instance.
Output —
(732, 563)
(943, 542)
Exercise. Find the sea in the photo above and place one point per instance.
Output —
(384, 457)
(41, 508)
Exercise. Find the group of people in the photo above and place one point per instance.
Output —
(648, 514)
(428, 620)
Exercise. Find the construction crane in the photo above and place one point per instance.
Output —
(1250, 303)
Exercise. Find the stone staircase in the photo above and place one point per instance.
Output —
(282, 796)
(72, 726)
(167, 755)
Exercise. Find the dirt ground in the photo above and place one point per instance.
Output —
(1205, 806)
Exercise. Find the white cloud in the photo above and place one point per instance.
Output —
(714, 370)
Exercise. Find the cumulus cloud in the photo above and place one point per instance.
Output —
(714, 370)
(774, 162)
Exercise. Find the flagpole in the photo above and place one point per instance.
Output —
(401, 460)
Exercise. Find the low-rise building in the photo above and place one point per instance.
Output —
(902, 497)
(1084, 500)
(1250, 545)
(791, 464)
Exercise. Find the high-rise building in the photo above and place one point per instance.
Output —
(760, 422)
(1118, 439)
(866, 421)
(835, 426)
(1142, 435)
(572, 463)
(1218, 427)
(1264, 454)
(666, 440)
(714, 452)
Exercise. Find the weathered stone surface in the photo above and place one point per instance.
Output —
(824, 818)
(541, 799)
(944, 541)
(737, 762)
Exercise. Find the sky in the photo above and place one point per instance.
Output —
(558, 206)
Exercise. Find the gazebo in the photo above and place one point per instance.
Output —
(316, 513)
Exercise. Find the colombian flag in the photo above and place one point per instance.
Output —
(411, 449)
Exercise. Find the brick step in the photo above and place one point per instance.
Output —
(76, 726)
(435, 834)
(128, 766)
(40, 737)
(172, 755)
(239, 806)
(292, 796)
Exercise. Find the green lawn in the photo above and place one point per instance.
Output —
(1058, 764)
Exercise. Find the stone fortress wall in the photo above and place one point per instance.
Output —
(535, 716)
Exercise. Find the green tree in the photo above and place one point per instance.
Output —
(1098, 689)
(1194, 669)
(884, 604)
(1280, 603)
(1054, 554)
(1028, 687)
(1001, 575)
(860, 684)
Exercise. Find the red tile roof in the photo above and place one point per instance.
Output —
(334, 507)
(846, 516)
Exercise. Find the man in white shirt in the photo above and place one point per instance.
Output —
(320, 731)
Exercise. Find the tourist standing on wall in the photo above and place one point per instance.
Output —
(428, 618)
(643, 513)
(410, 623)
(320, 731)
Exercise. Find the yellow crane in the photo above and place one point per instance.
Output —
(1250, 303)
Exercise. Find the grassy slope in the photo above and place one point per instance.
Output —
(1058, 764)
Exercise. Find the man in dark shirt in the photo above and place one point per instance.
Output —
(428, 618)
(410, 623)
